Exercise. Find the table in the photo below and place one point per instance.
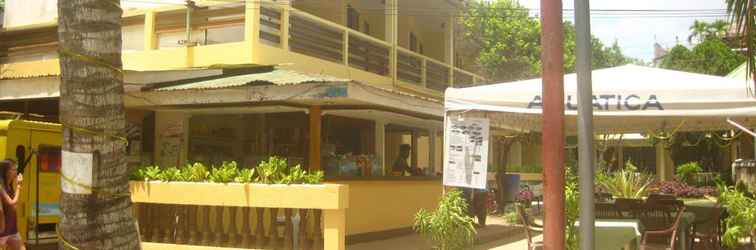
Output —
(614, 234)
(706, 219)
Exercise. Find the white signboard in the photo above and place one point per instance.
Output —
(76, 172)
(466, 152)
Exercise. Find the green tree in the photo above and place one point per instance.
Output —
(712, 57)
(508, 40)
(701, 30)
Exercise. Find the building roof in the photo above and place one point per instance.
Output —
(275, 77)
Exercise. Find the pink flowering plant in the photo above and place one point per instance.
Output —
(524, 197)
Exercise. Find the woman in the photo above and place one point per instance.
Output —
(9, 196)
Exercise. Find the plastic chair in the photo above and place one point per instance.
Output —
(654, 217)
(530, 228)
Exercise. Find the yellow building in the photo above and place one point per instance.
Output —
(243, 80)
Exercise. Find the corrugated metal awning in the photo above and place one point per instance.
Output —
(275, 77)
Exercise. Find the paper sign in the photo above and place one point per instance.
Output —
(466, 152)
(77, 173)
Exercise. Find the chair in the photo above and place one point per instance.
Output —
(661, 220)
(530, 228)
(710, 236)
(607, 211)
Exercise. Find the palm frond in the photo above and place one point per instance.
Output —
(743, 16)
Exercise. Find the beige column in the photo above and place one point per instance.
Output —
(391, 12)
(380, 143)
(315, 137)
(252, 25)
(334, 229)
(171, 138)
(450, 47)
(285, 12)
(150, 37)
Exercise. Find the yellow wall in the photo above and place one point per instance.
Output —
(331, 10)
(376, 206)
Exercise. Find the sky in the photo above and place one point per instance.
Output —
(636, 32)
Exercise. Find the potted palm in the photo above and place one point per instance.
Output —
(448, 227)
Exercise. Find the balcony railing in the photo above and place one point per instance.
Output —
(220, 28)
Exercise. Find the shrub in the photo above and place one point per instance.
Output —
(314, 177)
(626, 184)
(682, 190)
(449, 227)
(741, 222)
(170, 174)
(246, 175)
(195, 173)
(687, 172)
(146, 173)
(271, 171)
(225, 173)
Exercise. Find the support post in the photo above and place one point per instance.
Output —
(392, 33)
(285, 12)
(252, 23)
(585, 123)
(450, 47)
(150, 37)
(553, 124)
(661, 161)
(380, 143)
(334, 229)
(315, 137)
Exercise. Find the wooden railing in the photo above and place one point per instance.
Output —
(240, 215)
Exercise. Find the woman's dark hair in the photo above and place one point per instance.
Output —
(5, 166)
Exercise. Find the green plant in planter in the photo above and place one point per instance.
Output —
(314, 177)
(246, 175)
(146, 173)
(271, 171)
(449, 227)
(225, 173)
(626, 184)
(296, 175)
(170, 174)
(196, 172)
(687, 172)
(741, 222)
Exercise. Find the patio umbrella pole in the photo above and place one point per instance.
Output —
(585, 122)
(553, 124)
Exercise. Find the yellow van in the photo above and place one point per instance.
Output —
(36, 147)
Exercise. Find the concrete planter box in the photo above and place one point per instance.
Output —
(331, 199)
(321, 196)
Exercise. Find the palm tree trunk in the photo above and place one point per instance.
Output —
(96, 211)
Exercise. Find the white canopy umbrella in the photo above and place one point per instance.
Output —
(627, 98)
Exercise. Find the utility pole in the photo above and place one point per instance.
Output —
(585, 122)
(552, 140)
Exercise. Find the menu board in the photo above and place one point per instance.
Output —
(466, 152)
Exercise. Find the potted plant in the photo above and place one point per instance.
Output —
(449, 227)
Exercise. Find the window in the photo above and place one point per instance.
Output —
(48, 159)
(417, 139)
(353, 18)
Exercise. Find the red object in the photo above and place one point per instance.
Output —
(553, 124)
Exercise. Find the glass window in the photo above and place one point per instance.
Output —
(348, 147)
(408, 150)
